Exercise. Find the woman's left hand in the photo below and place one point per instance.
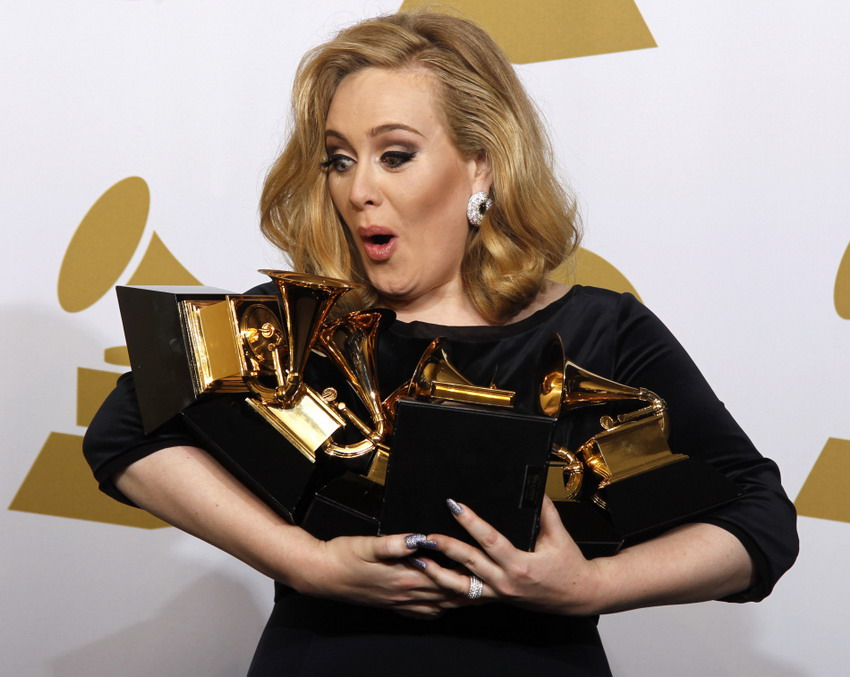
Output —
(690, 563)
(555, 578)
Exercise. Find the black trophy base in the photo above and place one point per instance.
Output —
(350, 505)
(590, 527)
(254, 452)
(645, 505)
(159, 348)
(493, 460)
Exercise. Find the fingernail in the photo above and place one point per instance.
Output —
(418, 563)
(454, 507)
(414, 541)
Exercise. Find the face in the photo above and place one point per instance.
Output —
(400, 185)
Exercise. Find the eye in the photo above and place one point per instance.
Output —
(394, 159)
(338, 163)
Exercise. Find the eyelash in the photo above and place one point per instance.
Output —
(400, 157)
(393, 159)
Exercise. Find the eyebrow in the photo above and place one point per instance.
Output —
(377, 131)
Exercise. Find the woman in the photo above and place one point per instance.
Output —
(418, 167)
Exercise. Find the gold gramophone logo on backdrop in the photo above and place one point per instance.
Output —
(59, 482)
(824, 493)
(546, 30)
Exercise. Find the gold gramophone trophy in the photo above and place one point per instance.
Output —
(188, 344)
(455, 439)
(624, 483)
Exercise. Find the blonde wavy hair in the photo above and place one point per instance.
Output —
(532, 226)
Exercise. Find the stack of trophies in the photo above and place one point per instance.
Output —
(233, 366)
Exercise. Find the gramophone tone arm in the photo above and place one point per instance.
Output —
(657, 407)
(275, 353)
(284, 392)
(371, 441)
(565, 475)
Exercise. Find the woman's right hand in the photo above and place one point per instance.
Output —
(374, 571)
(186, 487)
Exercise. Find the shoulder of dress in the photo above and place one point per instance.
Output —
(603, 299)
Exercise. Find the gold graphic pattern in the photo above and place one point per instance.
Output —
(842, 286)
(59, 482)
(103, 244)
(158, 266)
(546, 30)
(592, 270)
(824, 493)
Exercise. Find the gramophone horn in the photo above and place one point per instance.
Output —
(307, 301)
(564, 385)
(351, 342)
(436, 378)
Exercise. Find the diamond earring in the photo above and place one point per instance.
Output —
(477, 207)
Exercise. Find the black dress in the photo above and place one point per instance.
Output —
(610, 334)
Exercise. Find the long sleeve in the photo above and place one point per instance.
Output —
(115, 438)
(763, 519)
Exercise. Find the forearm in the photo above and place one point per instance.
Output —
(693, 563)
(186, 487)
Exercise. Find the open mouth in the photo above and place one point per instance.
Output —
(379, 239)
(378, 242)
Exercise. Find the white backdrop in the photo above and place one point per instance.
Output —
(712, 172)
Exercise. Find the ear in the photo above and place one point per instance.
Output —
(482, 175)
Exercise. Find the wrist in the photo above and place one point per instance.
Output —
(593, 588)
(290, 556)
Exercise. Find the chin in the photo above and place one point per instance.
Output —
(392, 294)
(390, 285)
(389, 293)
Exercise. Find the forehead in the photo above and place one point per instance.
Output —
(376, 96)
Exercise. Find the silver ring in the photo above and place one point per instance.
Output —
(476, 586)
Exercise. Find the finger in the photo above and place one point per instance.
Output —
(472, 559)
(400, 545)
(552, 529)
(422, 612)
(458, 582)
(490, 539)
(551, 526)
(454, 581)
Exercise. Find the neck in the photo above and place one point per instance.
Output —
(455, 310)
(458, 311)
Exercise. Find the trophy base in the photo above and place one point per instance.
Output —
(253, 451)
(590, 527)
(645, 505)
(159, 347)
(350, 505)
(493, 460)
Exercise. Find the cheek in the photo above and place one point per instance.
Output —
(443, 199)
(337, 193)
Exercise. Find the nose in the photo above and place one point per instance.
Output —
(364, 190)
